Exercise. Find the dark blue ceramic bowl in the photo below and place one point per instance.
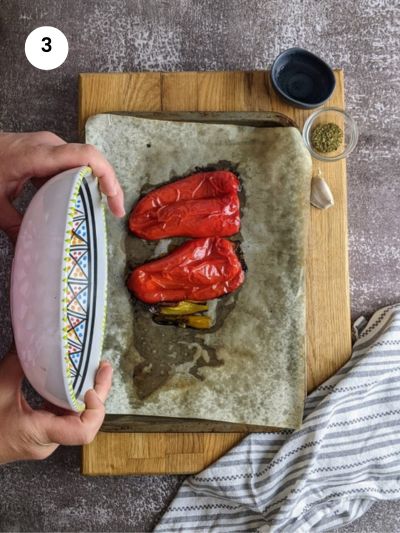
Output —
(302, 78)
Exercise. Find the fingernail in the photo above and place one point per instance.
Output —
(103, 366)
(119, 211)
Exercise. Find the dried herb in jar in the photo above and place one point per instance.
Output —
(327, 137)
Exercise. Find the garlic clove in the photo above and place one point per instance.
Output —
(321, 195)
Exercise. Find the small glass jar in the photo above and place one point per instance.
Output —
(341, 118)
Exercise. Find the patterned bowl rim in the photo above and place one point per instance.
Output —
(68, 378)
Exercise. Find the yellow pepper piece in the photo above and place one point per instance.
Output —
(183, 308)
(188, 321)
(198, 322)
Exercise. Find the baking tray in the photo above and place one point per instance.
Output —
(139, 423)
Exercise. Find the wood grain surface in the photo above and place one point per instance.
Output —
(327, 280)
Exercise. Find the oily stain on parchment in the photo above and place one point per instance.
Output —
(168, 350)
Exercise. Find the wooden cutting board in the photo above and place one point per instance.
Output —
(328, 302)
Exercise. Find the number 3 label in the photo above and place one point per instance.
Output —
(46, 48)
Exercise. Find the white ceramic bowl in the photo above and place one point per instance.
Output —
(58, 287)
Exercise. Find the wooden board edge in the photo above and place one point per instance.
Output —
(85, 77)
(209, 448)
(81, 122)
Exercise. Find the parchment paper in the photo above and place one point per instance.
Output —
(251, 369)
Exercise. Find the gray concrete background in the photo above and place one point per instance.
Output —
(360, 36)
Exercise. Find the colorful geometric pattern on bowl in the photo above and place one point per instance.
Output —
(59, 288)
(80, 271)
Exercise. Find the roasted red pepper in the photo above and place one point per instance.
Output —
(205, 204)
(198, 270)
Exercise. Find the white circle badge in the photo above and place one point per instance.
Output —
(46, 48)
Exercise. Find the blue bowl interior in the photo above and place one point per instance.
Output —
(303, 77)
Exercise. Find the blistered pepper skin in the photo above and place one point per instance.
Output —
(205, 204)
(198, 270)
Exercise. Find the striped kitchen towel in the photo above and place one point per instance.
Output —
(345, 456)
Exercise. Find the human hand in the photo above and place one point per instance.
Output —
(42, 155)
(27, 433)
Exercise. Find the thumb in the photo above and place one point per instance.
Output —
(11, 374)
(10, 219)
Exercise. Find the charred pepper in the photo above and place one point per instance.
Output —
(197, 270)
(205, 204)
